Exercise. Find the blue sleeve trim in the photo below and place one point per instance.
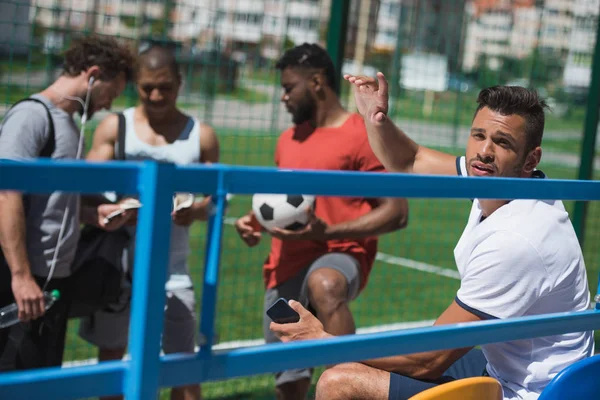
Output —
(474, 311)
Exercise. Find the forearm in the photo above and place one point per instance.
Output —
(387, 217)
(202, 209)
(428, 365)
(396, 151)
(12, 233)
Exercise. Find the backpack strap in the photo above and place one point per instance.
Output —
(120, 145)
(50, 145)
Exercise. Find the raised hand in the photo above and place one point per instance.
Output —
(371, 96)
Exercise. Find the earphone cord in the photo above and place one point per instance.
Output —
(70, 195)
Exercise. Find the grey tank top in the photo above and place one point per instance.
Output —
(184, 150)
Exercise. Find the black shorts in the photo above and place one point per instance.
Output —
(38, 343)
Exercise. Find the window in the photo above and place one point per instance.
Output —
(294, 22)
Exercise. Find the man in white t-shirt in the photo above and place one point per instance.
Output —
(515, 258)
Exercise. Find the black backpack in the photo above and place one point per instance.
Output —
(97, 270)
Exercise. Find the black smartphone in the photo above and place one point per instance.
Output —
(282, 313)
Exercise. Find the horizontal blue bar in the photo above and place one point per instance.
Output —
(179, 370)
(197, 178)
(104, 379)
(46, 176)
(248, 180)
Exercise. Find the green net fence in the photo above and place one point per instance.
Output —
(437, 55)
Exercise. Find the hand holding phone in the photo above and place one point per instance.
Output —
(281, 312)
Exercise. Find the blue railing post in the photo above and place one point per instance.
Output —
(149, 276)
(597, 296)
(211, 267)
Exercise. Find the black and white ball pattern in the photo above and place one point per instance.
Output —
(282, 210)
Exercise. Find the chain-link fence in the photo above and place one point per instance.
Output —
(437, 55)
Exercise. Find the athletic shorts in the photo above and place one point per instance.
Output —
(296, 288)
(470, 365)
(110, 329)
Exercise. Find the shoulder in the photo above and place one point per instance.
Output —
(514, 249)
(205, 129)
(288, 133)
(356, 129)
(33, 103)
(108, 128)
(26, 118)
(208, 136)
(286, 136)
(29, 111)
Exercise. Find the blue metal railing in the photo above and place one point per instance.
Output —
(141, 377)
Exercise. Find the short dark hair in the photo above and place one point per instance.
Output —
(309, 56)
(112, 57)
(158, 56)
(509, 100)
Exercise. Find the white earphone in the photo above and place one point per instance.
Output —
(84, 115)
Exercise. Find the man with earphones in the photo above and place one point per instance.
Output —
(39, 233)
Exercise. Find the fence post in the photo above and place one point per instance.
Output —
(588, 146)
(212, 261)
(149, 276)
(396, 73)
(336, 36)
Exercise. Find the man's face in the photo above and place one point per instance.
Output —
(104, 92)
(158, 90)
(497, 145)
(297, 96)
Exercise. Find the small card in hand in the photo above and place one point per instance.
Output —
(182, 200)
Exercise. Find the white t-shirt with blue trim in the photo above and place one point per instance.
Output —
(524, 259)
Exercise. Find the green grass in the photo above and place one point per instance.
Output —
(394, 294)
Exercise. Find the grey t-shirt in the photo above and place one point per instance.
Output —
(23, 134)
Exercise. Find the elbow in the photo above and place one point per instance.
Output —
(402, 221)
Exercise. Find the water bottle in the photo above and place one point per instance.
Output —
(9, 315)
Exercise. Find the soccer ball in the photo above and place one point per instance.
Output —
(282, 210)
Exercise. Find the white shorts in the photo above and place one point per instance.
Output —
(110, 330)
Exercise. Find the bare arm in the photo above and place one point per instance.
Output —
(388, 215)
(429, 365)
(396, 151)
(12, 232)
(209, 145)
(209, 153)
(105, 137)
(27, 293)
(432, 364)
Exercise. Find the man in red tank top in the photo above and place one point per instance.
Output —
(327, 263)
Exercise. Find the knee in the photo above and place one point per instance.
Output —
(327, 290)
(332, 384)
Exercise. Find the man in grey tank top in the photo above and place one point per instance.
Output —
(33, 252)
(157, 130)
